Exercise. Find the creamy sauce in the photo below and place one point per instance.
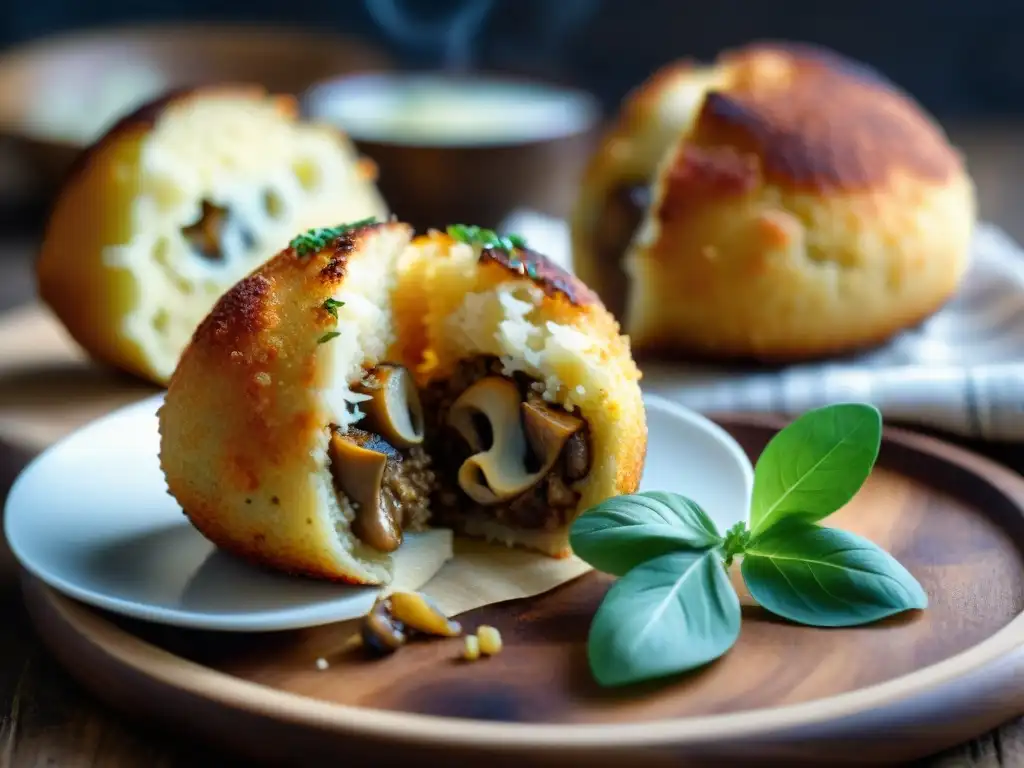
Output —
(436, 110)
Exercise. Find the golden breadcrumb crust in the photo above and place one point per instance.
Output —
(243, 415)
(800, 206)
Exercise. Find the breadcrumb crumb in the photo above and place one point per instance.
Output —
(489, 640)
(471, 652)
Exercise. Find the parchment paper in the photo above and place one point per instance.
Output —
(420, 558)
(480, 574)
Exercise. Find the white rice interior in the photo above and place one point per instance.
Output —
(506, 321)
(366, 332)
(278, 177)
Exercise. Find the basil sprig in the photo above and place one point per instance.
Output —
(674, 607)
(485, 238)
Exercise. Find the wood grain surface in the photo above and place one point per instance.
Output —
(956, 522)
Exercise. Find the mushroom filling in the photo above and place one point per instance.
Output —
(383, 470)
(500, 451)
(620, 218)
(218, 232)
(497, 451)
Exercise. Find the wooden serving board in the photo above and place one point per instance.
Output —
(902, 689)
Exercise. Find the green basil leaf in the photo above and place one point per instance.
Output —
(815, 465)
(668, 615)
(826, 577)
(620, 533)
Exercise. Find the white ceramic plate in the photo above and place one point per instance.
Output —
(92, 518)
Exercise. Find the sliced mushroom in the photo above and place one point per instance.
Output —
(416, 612)
(394, 410)
(358, 461)
(577, 457)
(204, 234)
(498, 473)
(483, 409)
(217, 233)
(381, 632)
(548, 429)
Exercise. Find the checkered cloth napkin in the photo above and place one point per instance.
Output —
(962, 371)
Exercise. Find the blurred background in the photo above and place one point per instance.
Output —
(68, 68)
(959, 58)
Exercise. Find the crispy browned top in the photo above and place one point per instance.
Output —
(239, 311)
(699, 174)
(545, 274)
(813, 121)
(337, 253)
(811, 53)
(248, 307)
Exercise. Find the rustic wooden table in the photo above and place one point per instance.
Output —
(46, 719)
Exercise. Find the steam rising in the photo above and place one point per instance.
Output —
(453, 36)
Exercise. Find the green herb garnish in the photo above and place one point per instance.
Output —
(485, 238)
(674, 607)
(314, 240)
(328, 336)
(331, 306)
